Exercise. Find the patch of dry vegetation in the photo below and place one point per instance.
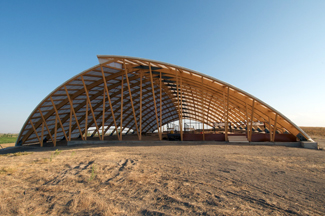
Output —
(164, 180)
(317, 134)
(314, 131)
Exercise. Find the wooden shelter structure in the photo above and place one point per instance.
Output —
(141, 95)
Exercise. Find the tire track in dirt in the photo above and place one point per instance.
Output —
(256, 200)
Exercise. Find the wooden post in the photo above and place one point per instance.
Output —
(247, 130)
(55, 130)
(57, 115)
(177, 90)
(135, 118)
(103, 118)
(154, 100)
(208, 113)
(251, 126)
(140, 106)
(109, 99)
(42, 140)
(70, 123)
(270, 130)
(73, 111)
(86, 121)
(227, 113)
(47, 128)
(30, 121)
(160, 103)
(181, 123)
(274, 127)
(91, 108)
(121, 115)
(202, 114)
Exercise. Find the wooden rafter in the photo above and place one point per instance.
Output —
(135, 119)
(73, 111)
(154, 100)
(109, 99)
(57, 115)
(47, 128)
(89, 103)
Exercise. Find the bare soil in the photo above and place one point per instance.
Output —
(163, 180)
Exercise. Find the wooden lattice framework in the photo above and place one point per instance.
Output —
(143, 95)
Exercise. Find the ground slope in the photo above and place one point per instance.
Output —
(163, 180)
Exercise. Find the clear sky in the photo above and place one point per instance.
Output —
(274, 50)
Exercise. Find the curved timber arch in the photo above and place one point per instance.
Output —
(143, 95)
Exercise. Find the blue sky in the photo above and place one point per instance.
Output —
(274, 50)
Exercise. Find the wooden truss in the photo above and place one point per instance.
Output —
(143, 95)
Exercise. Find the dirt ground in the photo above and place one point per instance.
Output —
(163, 180)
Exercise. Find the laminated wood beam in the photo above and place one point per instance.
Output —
(121, 115)
(247, 129)
(135, 119)
(47, 128)
(57, 115)
(91, 108)
(70, 123)
(103, 117)
(251, 125)
(181, 123)
(86, 121)
(30, 121)
(109, 99)
(73, 111)
(140, 135)
(42, 139)
(55, 131)
(202, 104)
(274, 127)
(154, 100)
(160, 104)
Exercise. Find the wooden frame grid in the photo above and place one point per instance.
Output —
(207, 99)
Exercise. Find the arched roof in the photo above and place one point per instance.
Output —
(184, 93)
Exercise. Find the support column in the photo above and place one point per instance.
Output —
(42, 140)
(47, 128)
(181, 124)
(274, 127)
(247, 129)
(154, 100)
(73, 111)
(140, 135)
(55, 131)
(177, 90)
(121, 115)
(86, 121)
(251, 126)
(91, 108)
(109, 99)
(70, 123)
(30, 121)
(127, 80)
(160, 103)
(57, 115)
(103, 117)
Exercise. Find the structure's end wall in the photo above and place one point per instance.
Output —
(309, 145)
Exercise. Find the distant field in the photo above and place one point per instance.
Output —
(8, 138)
(314, 131)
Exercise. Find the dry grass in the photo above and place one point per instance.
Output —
(317, 134)
(314, 131)
(163, 180)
